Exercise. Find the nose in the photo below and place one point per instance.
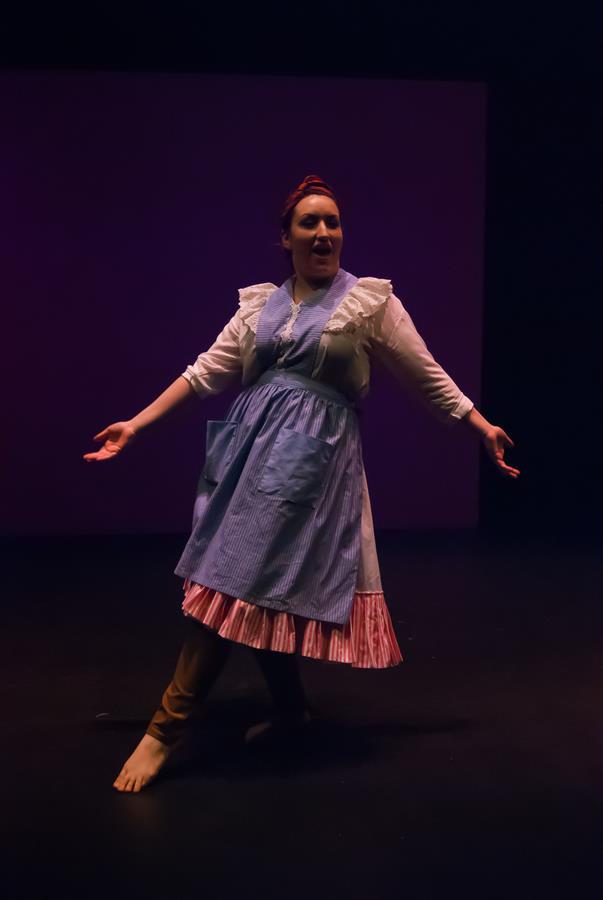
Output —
(321, 229)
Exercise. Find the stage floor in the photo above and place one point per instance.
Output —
(474, 769)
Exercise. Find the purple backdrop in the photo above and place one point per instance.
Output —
(134, 206)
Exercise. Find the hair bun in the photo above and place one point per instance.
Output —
(312, 184)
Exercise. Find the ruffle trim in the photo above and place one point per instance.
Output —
(252, 300)
(367, 641)
(361, 302)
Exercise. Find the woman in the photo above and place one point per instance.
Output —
(282, 552)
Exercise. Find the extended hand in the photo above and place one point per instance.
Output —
(495, 440)
(115, 438)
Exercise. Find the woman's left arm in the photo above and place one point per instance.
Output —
(395, 340)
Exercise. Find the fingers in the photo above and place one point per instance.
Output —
(497, 456)
(107, 452)
(507, 470)
(90, 457)
(503, 468)
(496, 451)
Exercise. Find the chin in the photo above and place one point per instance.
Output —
(328, 270)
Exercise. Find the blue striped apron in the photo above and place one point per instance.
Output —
(278, 508)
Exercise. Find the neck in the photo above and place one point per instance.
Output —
(304, 287)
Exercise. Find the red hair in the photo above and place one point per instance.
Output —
(311, 184)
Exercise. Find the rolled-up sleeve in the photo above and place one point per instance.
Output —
(397, 343)
(215, 369)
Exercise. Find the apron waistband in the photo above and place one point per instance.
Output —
(296, 379)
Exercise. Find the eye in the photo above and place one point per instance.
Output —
(332, 222)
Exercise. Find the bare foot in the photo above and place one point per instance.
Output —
(144, 764)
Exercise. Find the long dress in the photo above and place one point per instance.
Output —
(282, 551)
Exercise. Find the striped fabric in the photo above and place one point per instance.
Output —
(298, 352)
(367, 641)
(278, 510)
(273, 558)
(254, 535)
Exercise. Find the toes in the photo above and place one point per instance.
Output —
(121, 779)
(123, 782)
(140, 769)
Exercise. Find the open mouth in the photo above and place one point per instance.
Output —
(321, 250)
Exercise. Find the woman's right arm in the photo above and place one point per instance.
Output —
(178, 391)
(116, 436)
(210, 374)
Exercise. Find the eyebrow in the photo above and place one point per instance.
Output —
(310, 215)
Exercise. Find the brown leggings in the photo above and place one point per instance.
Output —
(201, 660)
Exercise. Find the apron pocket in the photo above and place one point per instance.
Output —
(219, 446)
(296, 467)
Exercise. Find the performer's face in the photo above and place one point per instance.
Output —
(315, 238)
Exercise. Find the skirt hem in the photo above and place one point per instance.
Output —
(366, 641)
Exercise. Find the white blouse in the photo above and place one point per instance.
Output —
(370, 320)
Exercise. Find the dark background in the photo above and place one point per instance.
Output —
(135, 205)
(541, 368)
(473, 770)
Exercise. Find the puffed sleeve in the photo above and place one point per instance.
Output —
(216, 368)
(394, 339)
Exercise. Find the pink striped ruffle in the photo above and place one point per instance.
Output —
(367, 641)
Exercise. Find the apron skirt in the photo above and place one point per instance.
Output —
(273, 556)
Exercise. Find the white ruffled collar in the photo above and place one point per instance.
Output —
(251, 302)
(362, 301)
